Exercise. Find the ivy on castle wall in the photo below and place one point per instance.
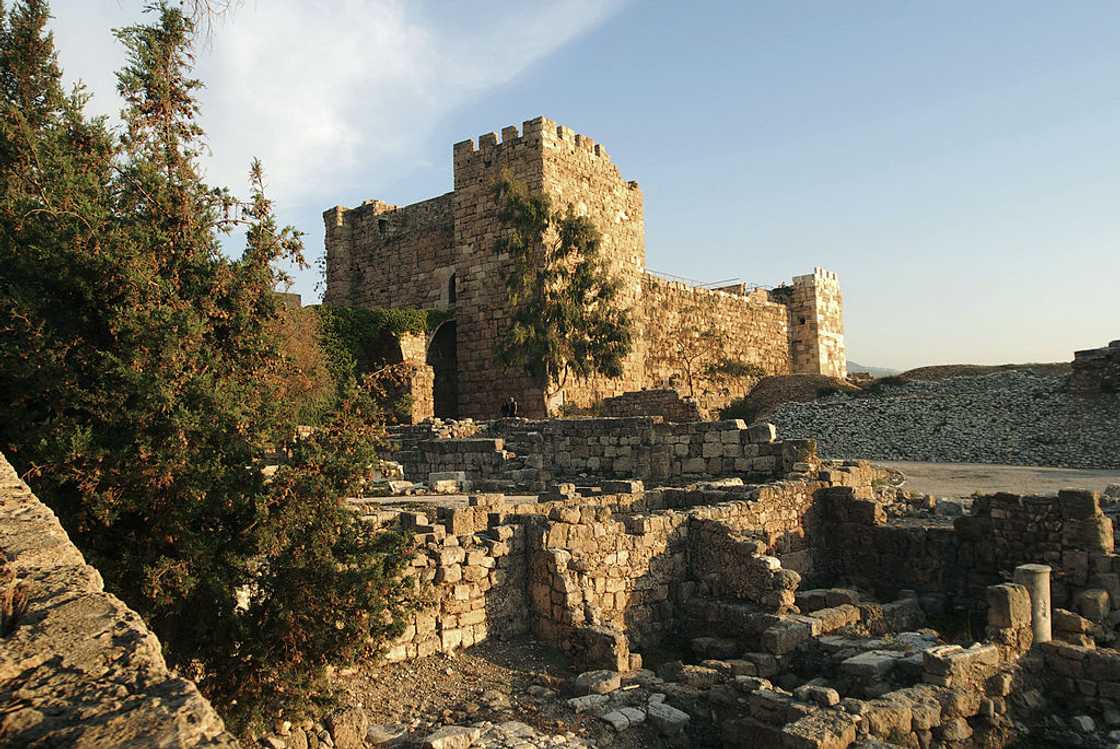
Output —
(352, 336)
(354, 342)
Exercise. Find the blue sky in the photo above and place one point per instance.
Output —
(958, 164)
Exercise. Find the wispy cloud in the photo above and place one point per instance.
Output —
(326, 90)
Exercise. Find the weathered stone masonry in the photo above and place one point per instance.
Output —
(439, 253)
(81, 669)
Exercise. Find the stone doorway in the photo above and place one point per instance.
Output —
(443, 359)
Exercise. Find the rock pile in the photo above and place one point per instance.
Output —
(1013, 417)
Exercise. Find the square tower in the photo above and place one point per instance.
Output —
(816, 325)
(572, 170)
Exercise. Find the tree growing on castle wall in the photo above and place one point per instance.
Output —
(138, 372)
(565, 316)
(695, 348)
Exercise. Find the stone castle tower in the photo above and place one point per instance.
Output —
(439, 253)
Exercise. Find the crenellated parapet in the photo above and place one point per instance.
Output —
(440, 253)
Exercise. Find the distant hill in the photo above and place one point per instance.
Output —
(873, 371)
(943, 371)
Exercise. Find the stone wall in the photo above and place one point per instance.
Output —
(749, 328)
(1097, 370)
(664, 402)
(1089, 678)
(477, 457)
(440, 253)
(626, 448)
(1067, 532)
(381, 255)
(81, 669)
(472, 578)
(596, 574)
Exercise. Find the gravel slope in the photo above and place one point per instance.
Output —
(1014, 417)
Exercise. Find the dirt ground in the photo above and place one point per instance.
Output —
(515, 679)
(962, 479)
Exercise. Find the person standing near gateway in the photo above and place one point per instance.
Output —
(509, 408)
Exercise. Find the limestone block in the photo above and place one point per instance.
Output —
(597, 682)
(783, 637)
(1069, 622)
(588, 702)
(821, 729)
(1079, 504)
(1009, 606)
(348, 728)
(452, 737)
(698, 677)
(1093, 604)
(635, 715)
(874, 665)
(616, 719)
(836, 617)
(669, 720)
(694, 465)
(761, 433)
(823, 696)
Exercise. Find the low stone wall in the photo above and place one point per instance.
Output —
(1068, 532)
(596, 574)
(1097, 371)
(473, 579)
(81, 669)
(476, 456)
(644, 448)
(664, 402)
(1088, 677)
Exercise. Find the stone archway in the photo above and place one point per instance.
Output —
(443, 359)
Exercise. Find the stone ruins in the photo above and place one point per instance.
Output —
(707, 583)
(715, 585)
(439, 254)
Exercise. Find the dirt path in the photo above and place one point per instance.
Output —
(962, 479)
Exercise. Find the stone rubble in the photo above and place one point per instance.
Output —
(1013, 417)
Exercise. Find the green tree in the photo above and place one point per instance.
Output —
(565, 313)
(137, 373)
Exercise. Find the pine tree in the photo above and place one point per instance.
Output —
(135, 369)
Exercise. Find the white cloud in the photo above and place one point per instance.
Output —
(323, 91)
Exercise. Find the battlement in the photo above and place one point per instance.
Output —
(818, 275)
(440, 253)
(530, 130)
(539, 132)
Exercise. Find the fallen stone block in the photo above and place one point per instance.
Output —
(598, 682)
(698, 676)
(822, 729)
(836, 617)
(588, 702)
(452, 737)
(669, 720)
(762, 433)
(616, 719)
(1093, 604)
(823, 696)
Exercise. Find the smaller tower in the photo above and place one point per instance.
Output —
(816, 325)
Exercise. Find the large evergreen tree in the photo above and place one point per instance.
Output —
(137, 373)
(565, 306)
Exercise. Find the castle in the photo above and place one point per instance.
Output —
(439, 254)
